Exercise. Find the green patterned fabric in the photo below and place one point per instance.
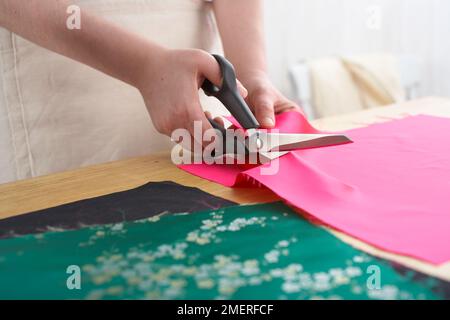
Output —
(244, 252)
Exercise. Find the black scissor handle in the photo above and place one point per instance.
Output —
(229, 95)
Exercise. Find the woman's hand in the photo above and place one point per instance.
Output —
(169, 80)
(169, 84)
(242, 31)
(266, 101)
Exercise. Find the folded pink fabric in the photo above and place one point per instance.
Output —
(390, 188)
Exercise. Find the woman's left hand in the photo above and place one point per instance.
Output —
(266, 101)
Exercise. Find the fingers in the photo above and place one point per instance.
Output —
(211, 71)
(242, 90)
(287, 106)
(199, 124)
(263, 105)
(218, 120)
(190, 118)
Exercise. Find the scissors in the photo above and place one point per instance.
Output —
(268, 145)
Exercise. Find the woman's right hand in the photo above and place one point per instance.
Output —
(169, 84)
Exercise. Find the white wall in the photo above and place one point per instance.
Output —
(298, 29)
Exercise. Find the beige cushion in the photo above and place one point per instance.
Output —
(377, 78)
(57, 114)
(333, 89)
(346, 84)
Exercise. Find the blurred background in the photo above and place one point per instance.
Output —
(319, 49)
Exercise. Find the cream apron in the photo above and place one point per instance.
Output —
(57, 114)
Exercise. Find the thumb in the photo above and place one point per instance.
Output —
(242, 90)
(263, 106)
(210, 69)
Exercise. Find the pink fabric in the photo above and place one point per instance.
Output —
(390, 188)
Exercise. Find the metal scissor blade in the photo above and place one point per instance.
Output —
(287, 141)
(316, 142)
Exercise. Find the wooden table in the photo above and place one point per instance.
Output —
(48, 191)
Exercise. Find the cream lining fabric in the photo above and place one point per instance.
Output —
(57, 114)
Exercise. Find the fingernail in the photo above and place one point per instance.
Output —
(268, 122)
